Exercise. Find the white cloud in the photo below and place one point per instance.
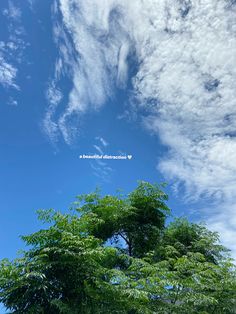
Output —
(93, 49)
(224, 221)
(98, 149)
(54, 97)
(12, 102)
(49, 126)
(101, 170)
(53, 94)
(186, 51)
(7, 74)
(102, 141)
(122, 71)
(190, 74)
(100, 167)
(31, 4)
(11, 49)
(12, 12)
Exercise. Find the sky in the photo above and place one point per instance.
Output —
(153, 80)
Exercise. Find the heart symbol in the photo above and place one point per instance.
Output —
(129, 156)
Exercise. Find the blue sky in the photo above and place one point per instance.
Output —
(152, 79)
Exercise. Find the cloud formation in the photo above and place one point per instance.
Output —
(7, 73)
(12, 11)
(93, 47)
(99, 167)
(185, 82)
(189, 76)
(11, 48)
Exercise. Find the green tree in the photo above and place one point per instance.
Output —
(115, 254)
(137, 220)
(183, 237)
(65, 271)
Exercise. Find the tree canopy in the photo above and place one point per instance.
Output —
(117, 254)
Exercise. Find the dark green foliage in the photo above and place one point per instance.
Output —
(71, 267)
(184, 236)
(138, 219)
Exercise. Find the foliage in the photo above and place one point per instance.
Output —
(115, 254)
(138, 219)
(183, 236)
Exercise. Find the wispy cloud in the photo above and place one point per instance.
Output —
(223, 219)
(93, 49)
(186, 51)
(11, 49)
(7, 74)
(12, 11)
(31, 4)
(53, 96)
(102, 141)
(100, 168)
(98, 149)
